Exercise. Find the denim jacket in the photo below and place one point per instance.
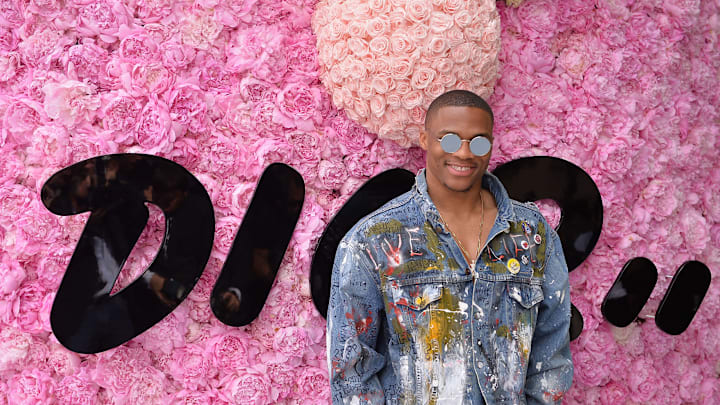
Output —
(410, 321)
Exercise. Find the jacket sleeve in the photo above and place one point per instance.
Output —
(353, 324)
(550, 368)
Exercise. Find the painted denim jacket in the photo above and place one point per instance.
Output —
(410, 322)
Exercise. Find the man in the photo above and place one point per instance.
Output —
(451, 293)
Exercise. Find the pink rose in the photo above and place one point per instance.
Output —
(313, 383)
(283, 379)
(291, 343)
(10, 65)
(75, 389)
(231, 349)
(575, 58)
(31, 387)
(11, 14)
(14, 347)
(331, 174)
(120, 114)
(153, 130)
(614, 393)
(694, 229)
(614, 158)
(149, 386)
(12, 275)
(298, 106)
(642, 380)
(43, 47)
(176, 56)
(583, 126)
(70, 102)
(191, 367)
(147, 80)
(117, 369)
(538, 18)
(188, 108)
(86, 62)
(153, 11)
(138, 47)
(537, 57)
(103, 19)
(22, 116)
(249, 385)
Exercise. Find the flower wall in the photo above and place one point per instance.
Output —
(625, 89)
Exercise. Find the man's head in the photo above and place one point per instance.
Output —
(466, 114)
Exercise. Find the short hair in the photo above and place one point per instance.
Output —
(458, 98)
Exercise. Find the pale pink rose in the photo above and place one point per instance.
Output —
(86, 62)
(400, 44)
(103, 19)
(30, 387)
(166, 336)
(248, 385)
(440, 22)
(153, 130)
(379, 46)
(583, 126)
(70, 102)
(418, 11)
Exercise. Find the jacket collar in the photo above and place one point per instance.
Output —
(489, 181)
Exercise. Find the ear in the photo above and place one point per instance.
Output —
(423, 139)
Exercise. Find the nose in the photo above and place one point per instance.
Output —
(464, 151)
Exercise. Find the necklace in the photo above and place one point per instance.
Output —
(479, 246)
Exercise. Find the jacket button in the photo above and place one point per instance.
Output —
(467, 271)
(477, 315)
(479, 343)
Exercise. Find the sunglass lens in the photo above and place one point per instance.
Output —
(480, 146)
(450, 143)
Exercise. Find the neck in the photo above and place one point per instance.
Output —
(453, 203)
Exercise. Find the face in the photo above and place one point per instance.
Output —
(461, 171)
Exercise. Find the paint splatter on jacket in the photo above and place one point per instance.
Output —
(410, 322)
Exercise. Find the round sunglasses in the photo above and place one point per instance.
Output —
(451, 143)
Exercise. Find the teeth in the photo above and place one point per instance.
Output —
(460, 168)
